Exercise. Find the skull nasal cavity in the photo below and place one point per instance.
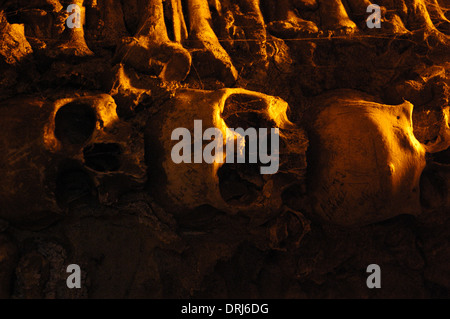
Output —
(75, 123)
(239, 184)
(246, 111)
(102, 157)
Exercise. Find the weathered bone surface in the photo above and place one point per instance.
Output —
(151, 50)
(72, 41)
(442, 141)
(187, 186)
(15, 47)
(381, 178)
(225, 230)
(77, 149)
(207, 46)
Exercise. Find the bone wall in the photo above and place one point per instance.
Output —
(87, 115)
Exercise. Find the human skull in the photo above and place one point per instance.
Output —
(366, 163)
(63, 152)
(224, 186)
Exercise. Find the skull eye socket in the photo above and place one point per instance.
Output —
(246, 111)
(75, 123)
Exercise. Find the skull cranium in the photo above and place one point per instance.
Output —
(76, 150)
(225, 186)
(371, 175)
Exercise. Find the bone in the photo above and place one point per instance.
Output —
(72, 41)
(359, 7)
(19, 148)
(152, 51)
(381, 178)
(280, 9)
(179, 23)
(152, 21)
(231, 187)
(256, 29)
(437, 16)
(443, 140)
(42, 171)
(212, 59)
(395, 25)
(288, 24)
(114, 26)
(398, 6)
(15, 48)
(335, 18)
(217, 4)
(418, 15)
(305, 4)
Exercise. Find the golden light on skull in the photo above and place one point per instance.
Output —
(176, 145)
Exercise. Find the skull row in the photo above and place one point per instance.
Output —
(365, 164)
